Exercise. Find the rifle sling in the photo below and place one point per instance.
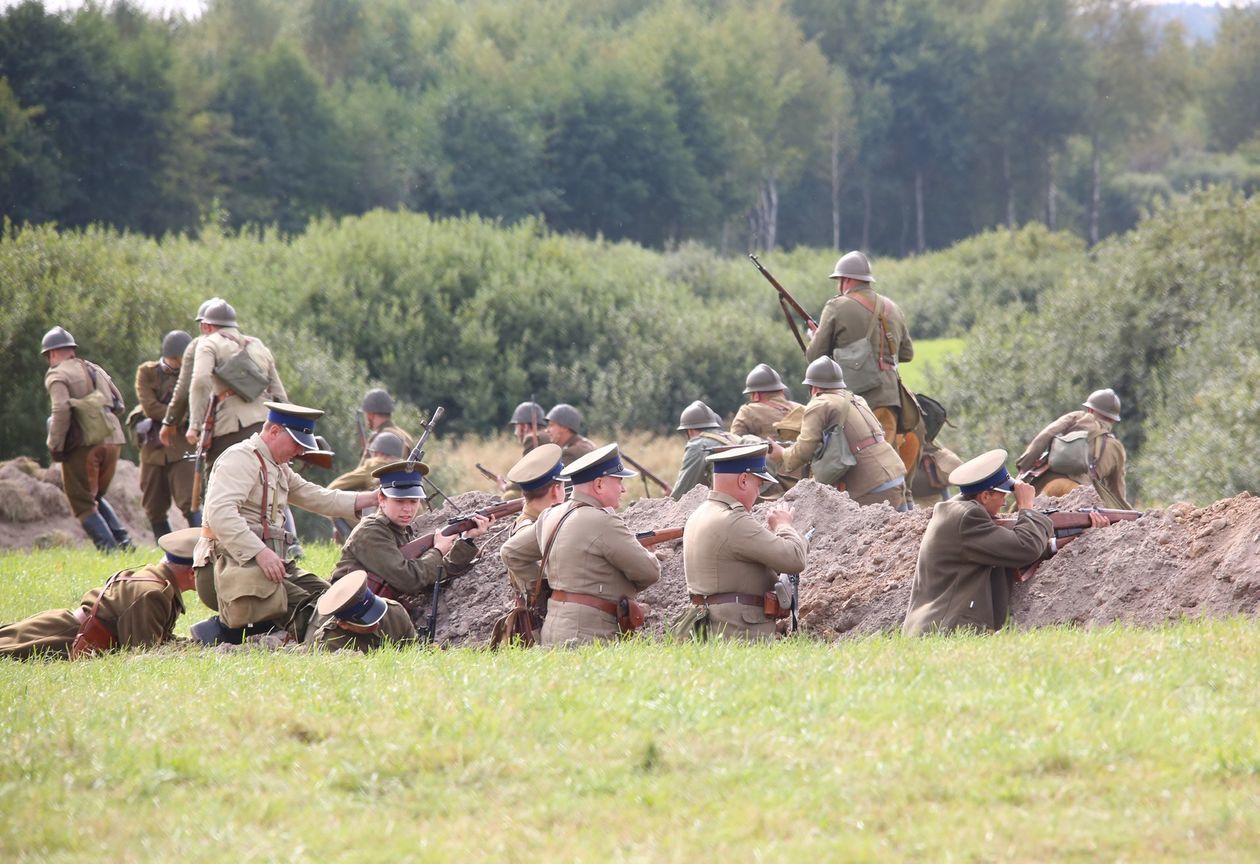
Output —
(551, 540)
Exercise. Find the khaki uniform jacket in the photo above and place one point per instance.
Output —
(233, 412)
(694, 469)
(177, 410)
(845, 320)
(375, 545)
(960, 580)
(758, 418)
(594, 553)
(138, 613)
(877, 463)
(233, 505)
(1105, 449)
(70, 379)
(396, 627)
(726, 550)
(155, 384)
(525, 576)
(578, 446)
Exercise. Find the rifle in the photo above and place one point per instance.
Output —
(199, 458)
(458, 525)
(533, 420)
(417, 452)
(363, 435)
(499, 479)
(1068, 525)
(789, 305)
(1041, 466)
(795, 580)
(661, 535)
(648, 475)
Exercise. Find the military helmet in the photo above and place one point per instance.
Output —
(174, 343)
(386, 444)
(763, 379)
(57, 337)
(566, 415)
(377, 401)
(220, 313)
(527, 413)
(825, 374)
(853, 265)
(205, 304)
(1106, 403)
(697, 415)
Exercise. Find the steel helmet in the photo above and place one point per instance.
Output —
(220, 313)
(205, 304)
(386, 444)
(174, 343)
(825, 374)
(57, 337)
(1106, 403)
(697, 415)
(566, 415)
(853, 265)
(527, 413)
(763, 379)
(377, 401)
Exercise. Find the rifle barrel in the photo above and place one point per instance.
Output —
(669, 490)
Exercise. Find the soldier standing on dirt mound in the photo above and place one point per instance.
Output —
(704, 434)
(866, 334)
(589, 556)
(767, 403)
(378, 412)
(731, 561)
(564, 427)
(1104, 456)
(84, 435)
(165, 473)
(871, 472)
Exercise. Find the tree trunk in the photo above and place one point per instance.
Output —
(920, 242)
(1095, 191)
(765, 215)
(1052, 192)
(835, 185)
(1010, 187)
(866, 214)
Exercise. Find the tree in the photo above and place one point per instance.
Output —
(1233, 79)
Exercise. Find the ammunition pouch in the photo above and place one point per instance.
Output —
(521, 625)
(93, 637)
(774, 608)
(630, 614)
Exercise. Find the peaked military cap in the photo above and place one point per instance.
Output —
(537, 468)
(298, 421)
(350, 600)
(750, 458)
(986, 471)
(402, 479)
(179, 545)
(603, 462)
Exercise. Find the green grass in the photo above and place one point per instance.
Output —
(1056, 744)
(928, 353)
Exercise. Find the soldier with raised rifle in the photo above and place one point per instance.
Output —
(704, 432)
(378, 413)
(564, 427)
(589, 556)
(731, 561)
(166, 474)
(134, 609)
(351, 617)
(1100, 457)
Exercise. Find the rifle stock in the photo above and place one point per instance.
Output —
(460, 524)
(199, 458)
(661, 535)
(788, 304)
(1068, 525)
(669, 490)
(499, 479)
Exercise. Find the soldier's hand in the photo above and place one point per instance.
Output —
(443, 542)
(483, 525)
(780, 514)
(1098, 520)
(1024, 495)
(191, 437)
(167, 436)
(775, 453)
(272, 565)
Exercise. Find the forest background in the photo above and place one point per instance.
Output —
(471, 203)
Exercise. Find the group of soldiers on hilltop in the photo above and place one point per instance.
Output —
(574, 563)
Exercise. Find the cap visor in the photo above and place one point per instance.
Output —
(412, 492)
(765, 475)
(622, 473)
(306, 439)
(1007, 486)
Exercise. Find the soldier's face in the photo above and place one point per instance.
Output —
(608, 490)
(400, 511)
(557, 433)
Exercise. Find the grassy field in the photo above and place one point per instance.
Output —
(927, 354)
(1059, 744)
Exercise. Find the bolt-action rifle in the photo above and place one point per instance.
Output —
(498, 479)
(648, 475)
(363, 434)
(649, 539)
(789, 305)
(1068, 525)
(199, 457)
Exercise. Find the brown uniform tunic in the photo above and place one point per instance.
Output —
(593, 553)
(878, 465)
(407, 441)
(86, 472)
(726, 550)
(396, 628)
(164, 472)
(1105, 452)
(845, 319)
(578, 446)
(961, 579)
(694, 469)
(139, 608)
(524, 576)
(758, 418)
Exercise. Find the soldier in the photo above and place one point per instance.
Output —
(730, 560)
(134, 609)
(537, 473)
(84, 435)
(378, 411)
(1104, 460)
(527, 425)
(866, 334)
(221, 353)
(767, 403)
(350, 616)
(867, 468)
(165, 473)
(384, 448)
(176, 420)
(704, 434)
(591, 559)
(962, 579)
(564, 425)
(240, 571)
(375, 543)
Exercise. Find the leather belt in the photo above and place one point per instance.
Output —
(731, 597)
(606, 606)
(858, 446)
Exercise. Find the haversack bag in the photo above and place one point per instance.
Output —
(860, 365)
(246, 595)
(834, 457)
(1069, 453)
(242, 374)
(91, 413)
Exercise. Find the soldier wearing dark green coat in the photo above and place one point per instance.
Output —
(704, 434)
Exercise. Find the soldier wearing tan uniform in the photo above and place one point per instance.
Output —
(731, 561)
(963, 577)
(352, 617)
(704, 434)
(589, 556)
(878, 475)
(1106, 454)
(241, 569)
(235, 418)
(165, 473)
(537, 473)
(137, 608)
(175, 423)
(87, 468)
(378, 412)
(767, 403)
(564, 425)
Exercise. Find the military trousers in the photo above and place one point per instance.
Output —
(162, 484)
(86, 474)
(907, 445)
(222, 442)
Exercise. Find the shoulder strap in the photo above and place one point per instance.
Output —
(551, 541)
(91, 370)
(96, 607)
(266, 517)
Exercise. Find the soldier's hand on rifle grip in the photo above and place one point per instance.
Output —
(1024, 495)
(167, 436)
(483, 525)
(780, 514)
(271, 564)
(191, 438)
(443, 542)
(1097, 520)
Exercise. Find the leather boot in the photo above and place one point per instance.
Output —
(116, 527)
(96, 528)
(161, 528)
(212, 631)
